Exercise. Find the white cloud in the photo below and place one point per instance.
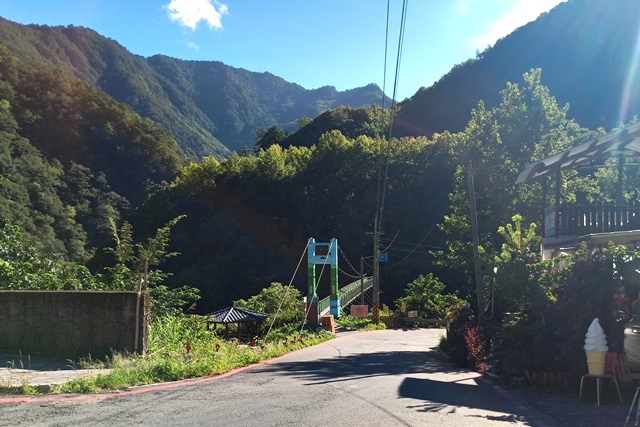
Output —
(192, 45)
(189, 12)
(522, 13)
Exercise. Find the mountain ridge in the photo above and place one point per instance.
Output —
(585, 49)
(207, 117)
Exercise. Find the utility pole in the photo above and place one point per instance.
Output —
(361, 280)
(476, 243)
(375, 310)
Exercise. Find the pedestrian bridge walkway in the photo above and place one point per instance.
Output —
(348, 294)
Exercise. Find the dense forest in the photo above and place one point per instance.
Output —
(84, 145)
(72, 158)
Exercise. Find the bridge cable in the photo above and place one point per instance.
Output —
(287, 289)
(347, 260)
(351, 276)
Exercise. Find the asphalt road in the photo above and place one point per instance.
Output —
(378, 378)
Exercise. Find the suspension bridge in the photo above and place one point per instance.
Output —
(326, 255)
(348, 294)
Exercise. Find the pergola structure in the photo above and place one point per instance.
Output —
(569, 225)
(240, 316)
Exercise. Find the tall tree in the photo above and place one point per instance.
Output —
(527, 125)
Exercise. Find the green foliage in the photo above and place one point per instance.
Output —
(552, 338)
(265, 138)
(527, 124)
(361, 323)
(516, 285)
(167, 301)
(134, 269)
(351, 121)
(22, 266)
(283, 303)
(455, 345)
(426, 295)
(168, 358)
(71, 158)
(263, 208)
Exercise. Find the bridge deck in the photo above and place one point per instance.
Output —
(348, 293)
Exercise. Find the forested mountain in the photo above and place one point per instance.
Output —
(588, 53)
(210, 108)
(72, 158)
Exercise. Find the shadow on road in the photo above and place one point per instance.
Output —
(345, 368)
(446, 396)
(461, 389)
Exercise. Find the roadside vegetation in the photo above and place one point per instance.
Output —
(182, 348)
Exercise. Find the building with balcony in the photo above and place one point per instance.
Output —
(566, 225)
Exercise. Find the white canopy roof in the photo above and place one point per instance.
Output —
(627, 139)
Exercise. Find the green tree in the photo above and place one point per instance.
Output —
(283, 303)
(22, 266)
(426, 295)
(303, 120)
(265, 138)
(134, 268)
(527, 125)
(518, 287)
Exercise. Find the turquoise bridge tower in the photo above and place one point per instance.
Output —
(324, 254)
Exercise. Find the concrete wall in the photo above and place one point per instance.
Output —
(71, 324)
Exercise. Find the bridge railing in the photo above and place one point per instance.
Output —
(347, 294)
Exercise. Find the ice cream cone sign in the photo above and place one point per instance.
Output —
(595, 345)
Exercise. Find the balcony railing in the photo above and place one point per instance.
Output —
(579, 220)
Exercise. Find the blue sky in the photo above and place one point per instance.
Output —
(309, 42)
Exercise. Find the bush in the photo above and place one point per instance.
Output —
(552, 338)
(461, 318)
(426, 295)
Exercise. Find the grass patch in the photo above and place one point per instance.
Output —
(21, 390)
(182, 348)
(360, 323)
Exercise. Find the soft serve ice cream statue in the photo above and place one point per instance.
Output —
(595, 338)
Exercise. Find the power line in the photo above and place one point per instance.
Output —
(382, 183)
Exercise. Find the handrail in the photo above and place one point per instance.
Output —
(580, 220)
(348, 293)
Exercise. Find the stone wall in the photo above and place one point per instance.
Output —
(72, 324)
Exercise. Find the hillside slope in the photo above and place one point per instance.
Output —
(72, 158)
(587, 50)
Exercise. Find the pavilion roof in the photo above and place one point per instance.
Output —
(236, 315)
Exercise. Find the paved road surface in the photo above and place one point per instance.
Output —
(378, 378)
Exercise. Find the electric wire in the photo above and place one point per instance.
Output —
(396, 79)
(392, 240)
(410, 253)
(287, 289)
